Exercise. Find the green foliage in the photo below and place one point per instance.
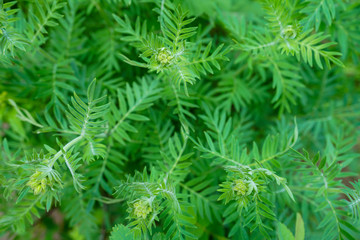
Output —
(180, 60)
(121, 232)
(169, 119)
(10, 38)
(138, 98)
(320, 11)
(285, 233)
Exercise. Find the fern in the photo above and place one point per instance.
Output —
(238, 92)
(10, 38)
(102, 175)
(202, 196)
(158, 137)
(325, 174)
(138, 98)
(317, 11)
(287, 85)
(209, 119)
(79, 216)
(308, 49)
(83, 117)
(43, 15)
(169, 54)
(23, 214)
(121, 232)
(353, 203)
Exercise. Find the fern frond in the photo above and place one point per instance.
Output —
(136, 34)
(158, 137)
(103, 174)
(310, 47)
(25, 213)
(323, 176)
(108, 49)
(316, 10)
(256, 43)
(182, 105)
(218, 123)
(176, 162)
(121, 232)
(187, 131)
(353, 201)
(131, 100)
(72, 163)
(85, 118)
(203, 197)
(278, 16)
(202, 61)
(78, 215)
(273, 147)
(175, 30)
(177, 225)
(44, 15)
(290, 39)
(286, 81)
(55, 83)
(339, 147)
(68, 37)
(10, 39)
(169, 55)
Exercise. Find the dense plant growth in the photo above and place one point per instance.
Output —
(159, 119)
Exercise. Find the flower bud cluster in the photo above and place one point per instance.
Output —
(164, 56)
(240, 187)
(142, 208)
(39, 183)
(290, 31)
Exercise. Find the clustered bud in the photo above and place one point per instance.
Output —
(289, 32)
(164, 56)
(142, 208)
(240, 187)
(37, 183)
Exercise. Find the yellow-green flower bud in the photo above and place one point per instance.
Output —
(289, 32)
(164, 56)
(240, 187)
(142, 208)
(38, 184)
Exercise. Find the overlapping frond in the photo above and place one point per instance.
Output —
(175, 29)
(44, 15)
(25, 213)
(309, 48)
(169, 54)
(318, 11)
(86, 119)
(187, 133)
(131, 101)
(10, 39)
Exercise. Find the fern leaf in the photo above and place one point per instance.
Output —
(287, 83)
(27, 210)
(121, 232)
(309, 49)
(175, 29)
(48, 15)
(317, 10)
(84, 117)
(132, 101)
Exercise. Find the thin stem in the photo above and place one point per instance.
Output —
(65, 149)
(178, 158)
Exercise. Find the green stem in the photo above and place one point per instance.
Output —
(65, 149)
